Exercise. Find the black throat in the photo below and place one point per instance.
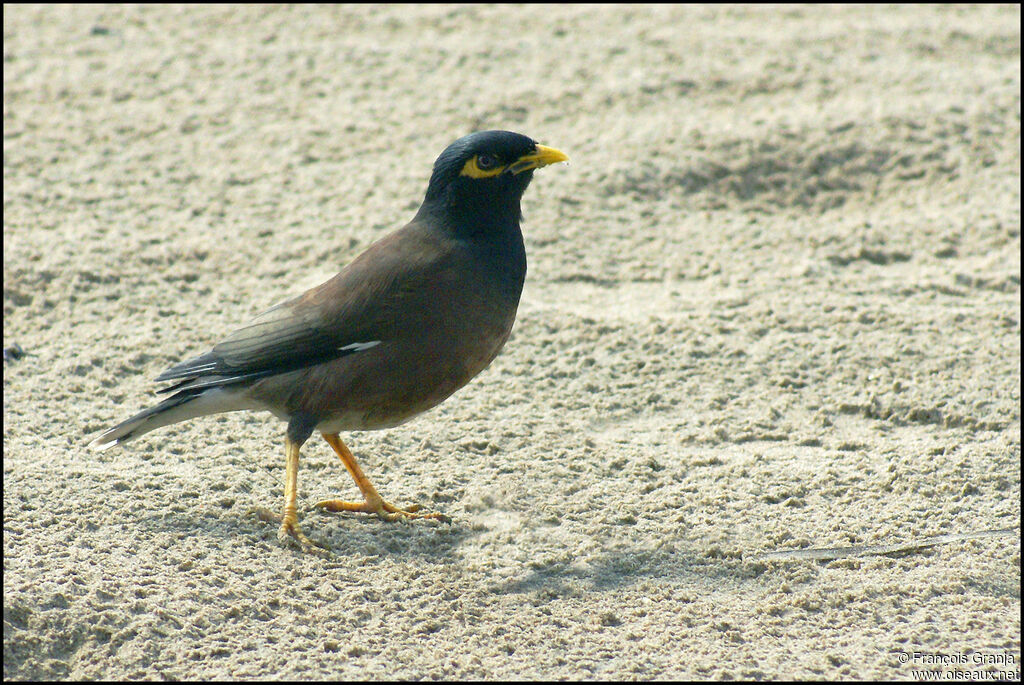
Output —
(489, 226)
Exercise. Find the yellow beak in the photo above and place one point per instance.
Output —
(541, 156)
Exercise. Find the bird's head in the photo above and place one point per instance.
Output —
(485, 174)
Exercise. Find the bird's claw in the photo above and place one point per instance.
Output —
(384, 510)
(290, 532)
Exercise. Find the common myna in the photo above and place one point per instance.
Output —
(397, 331)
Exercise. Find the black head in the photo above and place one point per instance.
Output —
(481, 177)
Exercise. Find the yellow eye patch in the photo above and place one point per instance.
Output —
(473, 170)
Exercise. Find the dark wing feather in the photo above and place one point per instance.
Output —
(285, 337)
(349, 313)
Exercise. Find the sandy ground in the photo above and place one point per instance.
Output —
(773, 305)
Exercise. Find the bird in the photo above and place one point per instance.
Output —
(408, 322)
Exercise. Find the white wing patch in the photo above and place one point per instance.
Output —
(359, 346)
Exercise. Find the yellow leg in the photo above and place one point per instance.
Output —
(289, 519)
(374, 503)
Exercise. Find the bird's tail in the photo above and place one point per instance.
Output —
(183, 405)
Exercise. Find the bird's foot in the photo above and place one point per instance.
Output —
(376, 505)
(290, 530)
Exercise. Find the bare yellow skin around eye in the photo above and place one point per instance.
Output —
(541, 156)
(473, 170)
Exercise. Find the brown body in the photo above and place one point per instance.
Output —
(422, 288)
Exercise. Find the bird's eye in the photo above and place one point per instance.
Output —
(485, 162)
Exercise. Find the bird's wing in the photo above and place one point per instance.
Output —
(350, 313)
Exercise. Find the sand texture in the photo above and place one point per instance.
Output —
(758, 417)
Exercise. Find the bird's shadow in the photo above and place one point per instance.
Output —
(340, 534)
(362, 534)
